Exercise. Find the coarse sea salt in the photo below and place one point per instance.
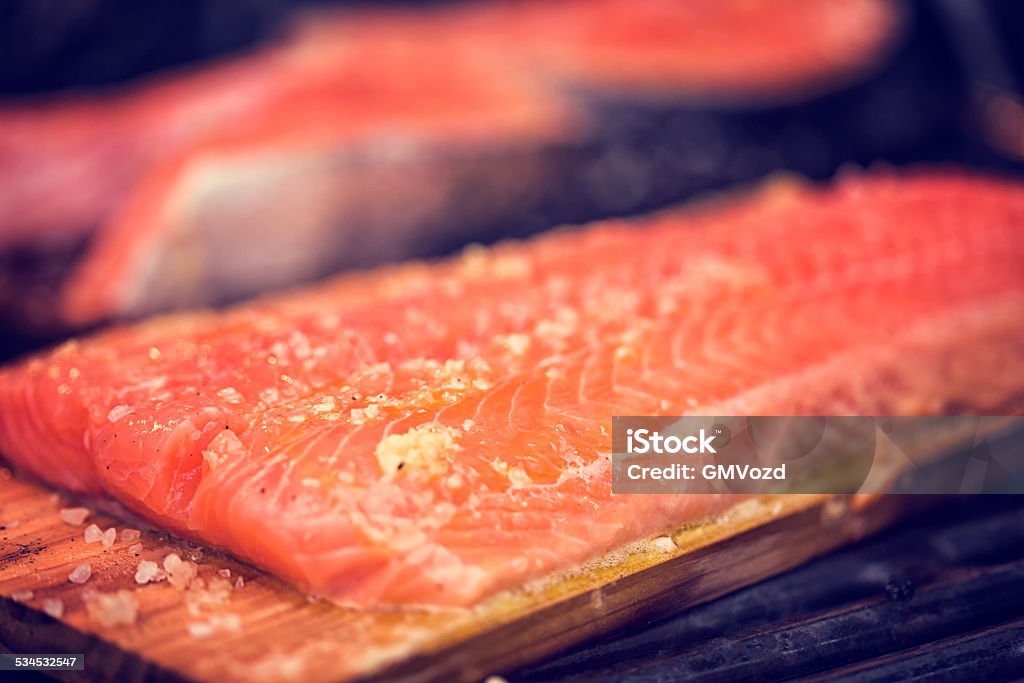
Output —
(112, 609)
(664, 544)
(93, 534)
(149, 571)
(74, 516)
(180, 573)
(109, 537)
(219, 622)
(22, 596)
(129, 535)
(81, 573)
(200, 595)
(54, 607)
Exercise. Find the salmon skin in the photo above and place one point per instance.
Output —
(432, 433)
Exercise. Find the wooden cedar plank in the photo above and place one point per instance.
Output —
(286, 637)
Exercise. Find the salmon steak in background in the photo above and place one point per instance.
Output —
(430, 434)
(66, 160)
(453, 108)
(738, 50)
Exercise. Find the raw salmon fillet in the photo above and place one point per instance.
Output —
(67, 159)
(432, 433)
(312, 189)
(732, 49)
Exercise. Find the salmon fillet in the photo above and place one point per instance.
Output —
(469, 112)
(730, 49)
(66, 160)
(433, 433)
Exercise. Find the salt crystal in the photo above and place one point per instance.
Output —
(519, 477)
(515, 343)
(220, 589)
(172, 561)
(239, 582)
(74, 516)
(228, 622)
(54, 607)
(224, 573)
(180, 573)
(81, 573)
(93, 534)
(199, 596)
(129, 535)
(147, 571)
(135, 548)
(22, 596)
(219, 622)
(112, 609)
(109, 537)
(230, 394)
(200, 630)
(664, 544)
(325, 405)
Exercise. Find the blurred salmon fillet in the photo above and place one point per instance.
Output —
(369, 133)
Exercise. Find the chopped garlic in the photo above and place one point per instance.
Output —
(420, 451)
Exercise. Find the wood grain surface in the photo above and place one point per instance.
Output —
(283, 635)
